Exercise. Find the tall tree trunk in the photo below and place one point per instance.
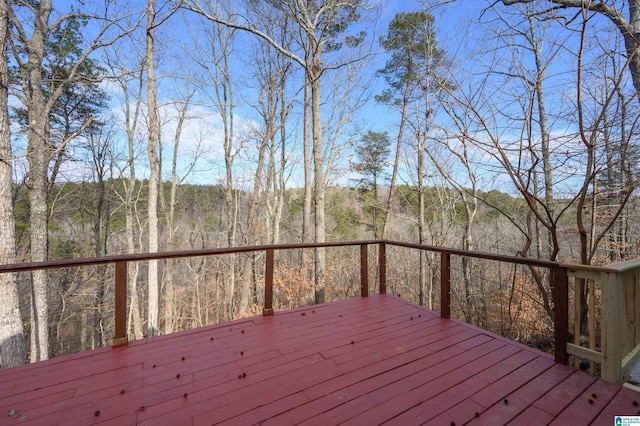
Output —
(277, 154)
(134, 317)
(307, 154)
(252, 232)
(319, 184)
(467, 244)
(231, 206)
(280, 182)
(169, 296)
(308, 186)
(396, 160)
(306, 140)
(154, 171)
(38, 158)
(224, 100)
(129, 201)
(421, 229)
(99, 250)
(544, 131)
(12, 344)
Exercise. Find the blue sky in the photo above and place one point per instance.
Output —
(470, 47)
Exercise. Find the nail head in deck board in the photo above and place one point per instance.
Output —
(580, 411)
(558, 398)
(619, 404)
(524, 396)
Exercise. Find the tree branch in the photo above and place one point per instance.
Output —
(192, 6)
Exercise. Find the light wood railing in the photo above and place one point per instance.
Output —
(607, 330)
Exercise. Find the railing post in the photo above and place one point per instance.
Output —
(560, 287)
(445, 284)
(382, 267)
(364, 270)
(611, 288)
(120, 308)
(268, 284)
(577, 314)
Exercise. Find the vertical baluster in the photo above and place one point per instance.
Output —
(120, 308)
(382, 267)
(268, 284)
(445, 285)
(364, 270)
(560, 287)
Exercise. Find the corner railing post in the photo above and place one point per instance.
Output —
(120, 308)
(382, 267)
(445, 285)
(611, 325)
(560, 287)
(364, 270)
(268, 284)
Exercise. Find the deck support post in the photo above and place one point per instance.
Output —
(268, 284)
(611, 327)
(364, 270)
(445, 284)
(120, 309)
(382, 267)
(560, 287)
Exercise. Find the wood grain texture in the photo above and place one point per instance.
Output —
(359, 361)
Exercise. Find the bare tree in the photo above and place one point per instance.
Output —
(629, 26)
(130, 79)
(182, 109)
(271, 68)
(12, 343)
(278, 163)
(98, 145)
(525, 38)
(321, 25)
(155, 178)
(154, 170)
(505, 136)
(39, 102)
(217, 84)
(607, 105)
(451, 155)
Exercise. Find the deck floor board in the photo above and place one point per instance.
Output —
(368, 361)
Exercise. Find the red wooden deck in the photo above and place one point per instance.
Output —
(359, 361)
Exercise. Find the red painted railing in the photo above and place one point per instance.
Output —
(558, 277)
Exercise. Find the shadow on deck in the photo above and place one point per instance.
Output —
(366, 360)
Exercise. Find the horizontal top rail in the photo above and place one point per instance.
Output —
(479, 255)
(137, 257)
(592, 268)
(626, 265)
(66, 263)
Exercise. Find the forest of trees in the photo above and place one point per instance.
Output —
(131, 127)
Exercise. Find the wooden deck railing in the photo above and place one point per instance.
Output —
(612, 329)
(620, 286)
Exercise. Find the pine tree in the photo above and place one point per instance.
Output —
(372, 152)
